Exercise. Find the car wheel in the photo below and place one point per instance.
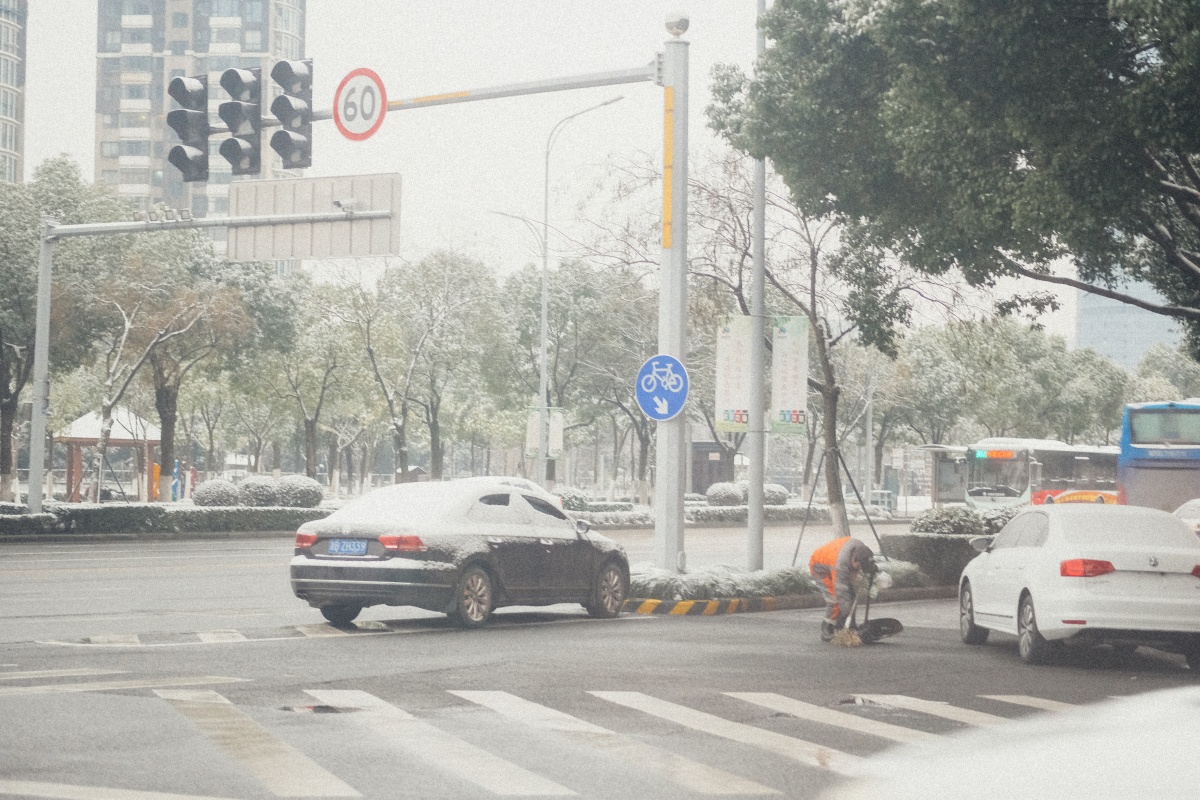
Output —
(475, 598)
(1031, 645)
(608, 591)
(340, 615)
(970, 632)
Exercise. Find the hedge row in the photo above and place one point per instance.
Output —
(143, 518)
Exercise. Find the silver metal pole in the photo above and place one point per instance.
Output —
(544, 377)
(41, 371)
(756, 444)
(671, 452)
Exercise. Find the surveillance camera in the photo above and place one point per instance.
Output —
(677, 23)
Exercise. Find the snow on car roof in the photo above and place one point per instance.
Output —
(432, 499)
(1104, 524)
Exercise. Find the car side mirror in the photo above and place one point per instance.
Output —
(582, 526)
(982, 543)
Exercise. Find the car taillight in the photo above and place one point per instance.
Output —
(1196, 570)
(1121, 496)
(305, 540)
(402, 543)
(1084, 568)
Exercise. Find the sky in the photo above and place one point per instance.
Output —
(460, 164)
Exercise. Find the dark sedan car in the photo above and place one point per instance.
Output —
(461, 547)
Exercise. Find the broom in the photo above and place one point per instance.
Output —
(847, 636)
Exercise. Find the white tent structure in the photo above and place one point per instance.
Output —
(128, 430)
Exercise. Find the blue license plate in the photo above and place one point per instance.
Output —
(347, 547)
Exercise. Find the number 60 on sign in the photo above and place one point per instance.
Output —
(359, 104)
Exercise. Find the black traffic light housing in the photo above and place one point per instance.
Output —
(243, 115)
(294, 111)
(190, 122)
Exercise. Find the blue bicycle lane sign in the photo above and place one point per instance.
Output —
(661, 387)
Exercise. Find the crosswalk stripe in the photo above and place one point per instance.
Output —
(936, 708)
(692, 775)
(808, 753)
(220, 637)
(102, 686)
(442, 750)
(828, 716)
(115, 638)
(320, 631)
(1032, 702)
(279, 767)
(62, 791)
(57, 673)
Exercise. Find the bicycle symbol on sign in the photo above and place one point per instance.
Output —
(664, 376)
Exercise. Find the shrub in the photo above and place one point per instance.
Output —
(258, 490)
(725, 494)
(940, 556)
(949, 521)
(300, 491)
(573, 499)
(774, 494)
(694, 497)
(605, 505)
(215, 492)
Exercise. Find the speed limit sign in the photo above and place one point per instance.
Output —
(359, 104)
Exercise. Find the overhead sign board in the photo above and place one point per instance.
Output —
(359, 104)
(341, 239)
(661, 387)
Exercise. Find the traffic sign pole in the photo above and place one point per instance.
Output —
(671, 452)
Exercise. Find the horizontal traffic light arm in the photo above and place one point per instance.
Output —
(147, 226)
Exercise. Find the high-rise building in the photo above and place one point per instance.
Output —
(12, 90)
(141, 45)
(1121, 331)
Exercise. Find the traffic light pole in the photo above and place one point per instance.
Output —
(52, 232)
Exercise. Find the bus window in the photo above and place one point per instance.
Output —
(1165, 426)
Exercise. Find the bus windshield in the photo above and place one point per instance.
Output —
(1165, 426)
(998, 477)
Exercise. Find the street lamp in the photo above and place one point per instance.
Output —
(543, 405)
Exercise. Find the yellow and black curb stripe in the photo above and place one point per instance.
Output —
(737, 605)
(708, 608)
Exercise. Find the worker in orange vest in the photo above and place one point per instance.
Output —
(835, 566)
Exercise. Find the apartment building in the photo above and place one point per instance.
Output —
(12, 90)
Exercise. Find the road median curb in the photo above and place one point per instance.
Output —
(738, 605)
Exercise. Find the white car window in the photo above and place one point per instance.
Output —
(1010, 534)
(1034, 531)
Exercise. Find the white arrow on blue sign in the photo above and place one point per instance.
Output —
(661, 387)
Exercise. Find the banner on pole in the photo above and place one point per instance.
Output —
(533, 428)
(733, 375)
(789, 370)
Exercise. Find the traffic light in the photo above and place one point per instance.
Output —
(191, 123)
(293, 109)
(243, 115)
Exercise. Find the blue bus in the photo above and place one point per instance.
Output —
(1159, 463)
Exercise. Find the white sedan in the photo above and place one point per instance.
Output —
(1086, 574)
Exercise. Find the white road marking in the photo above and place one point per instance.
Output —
(692, 775)
(58, 673)
(936, 708)
(438, 748)
(218, 637)
(103, 686)
(808, 753)
(115, 638)
(829, 716)
(62, 791)
(283, 770)
(1031, 702)
(320, 630)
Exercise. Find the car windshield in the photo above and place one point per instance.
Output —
(1151, 530)
(393, 504)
